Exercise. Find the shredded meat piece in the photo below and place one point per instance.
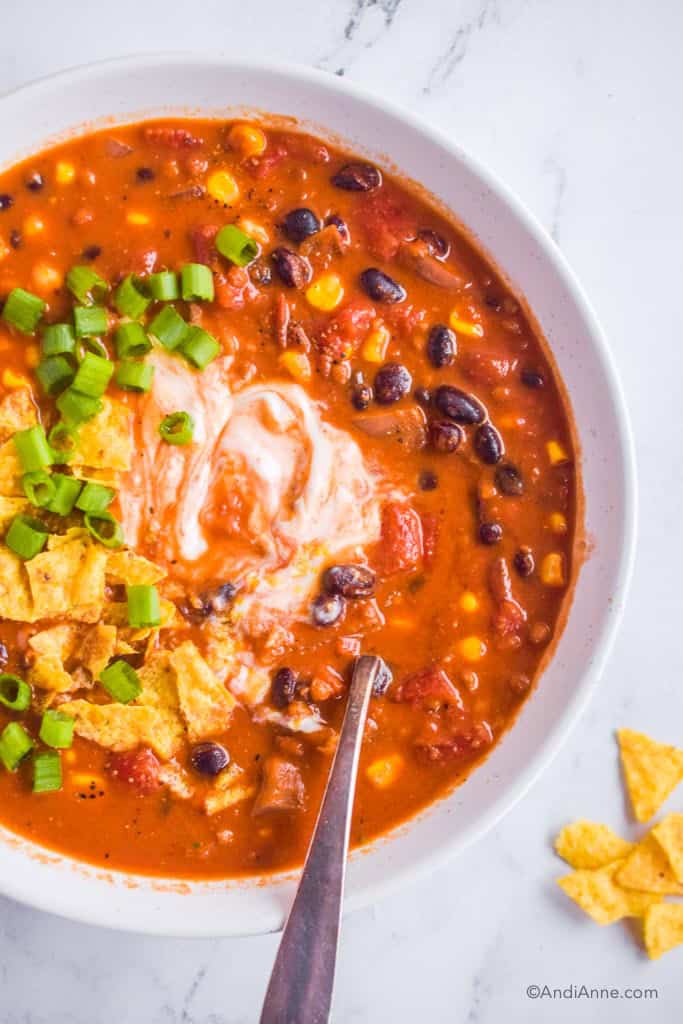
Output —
(509, 615)
(282, 787)
(429, 687)
(174, 138)
(281, 320)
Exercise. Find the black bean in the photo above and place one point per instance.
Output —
(349, 580)
(301, 223)
(327, 609)
(532, 379)
(361, 396)
(294, 271)
(524, 562)
(380, 287)
(442, 346)
(15, 238)
(509, 480)
(437, 245)
(488, 444)
(392, 382)
(458, 405)
(490, 533)
(6, 200)
(35, 182)
(283, 687)
(92, 252)
(145, 174)
(341, 226)
(383, 679)
(445, 435)
(428, 480)
(220, 598)
(423, 396)
(357, 177)
(209, 758)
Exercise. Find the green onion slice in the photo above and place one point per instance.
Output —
(129, 299)
(144, 610)
(196, 283)
(47, 772)
(67, 489)
(26, 537)
(200, 348)
(23, 310)
(95, 498)
(57, 729)
(130, 340)
(58, 340)
(134, 376)
(163, 287)
(177, 428)
(104, 528)
(15, 694)
(169, 327)
(15, 744)
(33, 449)
(38, 487)
(63, 441)
(76, 407)
(236, 246)
(121, 682)
(90, 320)
(95, 345)
(86, 285)
(54, 373)
(93, 375)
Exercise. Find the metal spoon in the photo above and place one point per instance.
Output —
(300, 989)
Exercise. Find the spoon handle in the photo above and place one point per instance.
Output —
(302, 981)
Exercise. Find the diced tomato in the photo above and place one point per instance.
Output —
(174, 138)
(401, 543)
(429, 686)
(486, 367)
(234, 289)
(342, 335)
(385, 220)
(452, 739)
(139, 768)
(405, 317)
(430, 536)
(202, 239)
(262, 166)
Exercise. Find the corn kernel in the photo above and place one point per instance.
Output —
(64, 172)
(32, 356)
(326, 293)
(556, 453)
(255, 231)
(552, 569)
(296, 363)
(222, 187)
(247, 139)
(376, 344)
(557, 522)
(472, 648)
(137, 218)
(46, 277)
(32, 225)
(4, 249)
(465, 326)
(384, 771)
(10, 379)
(469, 602)
(84, 780)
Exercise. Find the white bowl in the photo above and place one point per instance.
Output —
(128, 89)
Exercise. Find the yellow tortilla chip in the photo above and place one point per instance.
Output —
(647, 868)
(97, 649)
(598, 894)
(48, 673)
(17, 412)
(15, 596)
(177, 780)
(68, 580)
(160, 693)
(116, 727)
(669, 835)
(652, 771)
(221, 648)
(10, 470)
(204, 700)
(105, 442)
(57, 641)
(227, 790)
(587, 844)
(108, 477)
(663, 928)
(131, 569)
(9, 508)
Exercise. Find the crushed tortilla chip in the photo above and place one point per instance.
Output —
(663, 928)
(57, 641)
(588, 844)
(68, 580)
(647, 868)
(10, 471)
(97, 648)
(116, 727)
(597, 892)
(105, 442)
(88, 474)
(116, 613)
(669, 835)
(177, 780)
(204, 700)
(652, 771)
(159, 692)
(17, 412)
(15, 596)
(9, 508)
(227, 791)
(131, 569)
(48, 673)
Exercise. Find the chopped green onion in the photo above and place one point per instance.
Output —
(104, 528)
(33, 449)
(63, 440)
(76, 407)
(93, 375)
(236, 246)
(169, 327)
(15, 694)
(196, 282)
(95, 345)
(95, 498)
(47, 772)
(23, 310)
(57, 729)
(134, 376)
(58, 340)
(86, 284)
(38, 488)
(163, 286)
(129, 299)
(54, 373)
(67, 489)
(143, 606)
(131, 340)
(177, 428)
(15, 744)
(199, 348)
(90, 320)
(121, 682)
(26, 537)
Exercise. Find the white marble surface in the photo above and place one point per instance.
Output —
(576, 104)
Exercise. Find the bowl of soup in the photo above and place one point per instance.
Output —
(286, 378)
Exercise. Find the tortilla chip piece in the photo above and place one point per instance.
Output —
(98, 647)
(177, 780)
(57, 641)
(10, 470)
(159, 692)
(108, 477)
(663, 928)
(15, 596)
(647, 868)
(48, 673)
(116, 613)
(9, 508)
(131, 569)
(588, 844)
(17, 412)
(116, 727)
(652, 771)
(68, 580)
(669, 835)
(105, 442)
(598, 894)
(227, 791)
(204, 700)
